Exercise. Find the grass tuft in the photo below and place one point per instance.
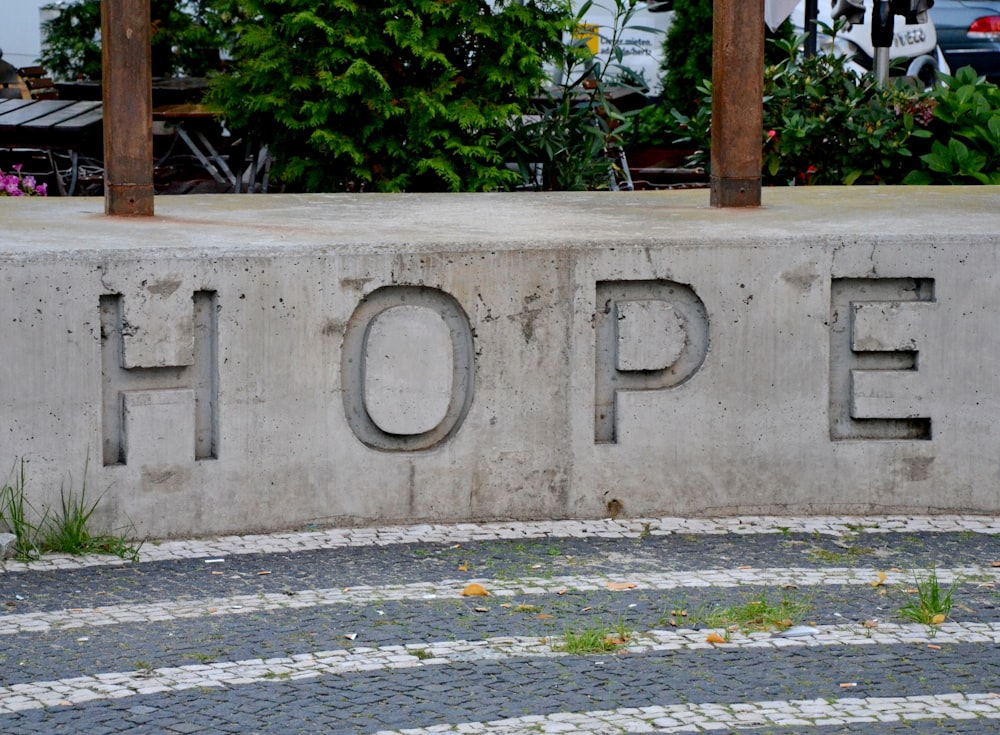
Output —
(755, 614)
(66, 532)
(599, 639)
(933, 605)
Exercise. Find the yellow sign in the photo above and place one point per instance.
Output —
(588, 32)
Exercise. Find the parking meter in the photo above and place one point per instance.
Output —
(882, 25)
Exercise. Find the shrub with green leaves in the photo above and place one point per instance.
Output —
(187, 37)
(966, 133)
(825, 125)
(567, 141)
(388, 95)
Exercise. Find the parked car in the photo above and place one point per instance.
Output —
(968, 32)
(915, 51)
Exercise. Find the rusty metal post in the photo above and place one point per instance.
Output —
(128, 107)
(737, 102)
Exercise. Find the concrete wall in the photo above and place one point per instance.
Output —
(264, 362)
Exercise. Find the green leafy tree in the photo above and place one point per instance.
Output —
(187, 36)
(388, 95)
(687, 55)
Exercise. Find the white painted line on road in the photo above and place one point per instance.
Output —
(41, 622)
(116, 685)
(797, 714)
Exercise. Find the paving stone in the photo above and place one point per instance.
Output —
(753, 678)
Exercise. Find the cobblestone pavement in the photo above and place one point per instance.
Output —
(601, 627)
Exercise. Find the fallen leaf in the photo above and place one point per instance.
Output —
(746, 566)
(996, 563)
(261, 574)
(871, 623)
(506, 604)
(881, 580)
(938, 619)
(614, 640)
(586, 609)
(895, 569)
(622, 585)
(989, 585)
(561, 592)
(789, 586)
(482, 609)
(219, 573)
(463, 567)
(714, 638)
(543, 616)
(475, 590)
(936, 648)
(911, 591)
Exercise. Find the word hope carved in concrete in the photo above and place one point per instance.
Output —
(408, 365)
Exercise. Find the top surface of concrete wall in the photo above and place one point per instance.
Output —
(458, 222)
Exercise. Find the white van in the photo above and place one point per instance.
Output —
(640, 40)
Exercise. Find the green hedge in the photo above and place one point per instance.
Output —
(387, 95)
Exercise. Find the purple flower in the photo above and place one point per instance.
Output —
(15, 185)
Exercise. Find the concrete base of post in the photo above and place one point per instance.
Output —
(735, 192)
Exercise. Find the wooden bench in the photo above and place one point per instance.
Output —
(38, 85)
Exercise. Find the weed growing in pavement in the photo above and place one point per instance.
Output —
(680, 616)
(15, 511)
(932, 605)
(66, 532)
(598, 639)
(756, 614)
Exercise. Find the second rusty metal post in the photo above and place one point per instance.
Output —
(128, 107)
(737, 102)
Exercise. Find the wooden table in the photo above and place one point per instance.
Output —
(52, 125)
(190, 121)
(74, 126)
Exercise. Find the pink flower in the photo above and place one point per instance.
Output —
(772, 133)
(15, 185)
